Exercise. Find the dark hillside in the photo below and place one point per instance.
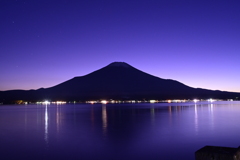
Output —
(118, 80)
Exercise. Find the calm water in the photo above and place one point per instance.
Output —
(116, 131)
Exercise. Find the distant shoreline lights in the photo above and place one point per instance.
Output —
(111, 101)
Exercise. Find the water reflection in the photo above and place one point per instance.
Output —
(139, 131)
(196, 118)
(92, 117)
(46, 124)
(104, 119)
(170, 110)
(170, 114)
(25, 118)
(152, 114)
(58, 117)
(210, 109)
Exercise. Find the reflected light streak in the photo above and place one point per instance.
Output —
(211, 116)
(211, 107)
(152, 114)
(58, 118)
(196, 118)
(46, 125)
(170, 110)
(104, 118)
(25, 119)
(170, 114)
(92, 117)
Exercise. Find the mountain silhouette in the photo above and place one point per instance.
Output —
(117, 80)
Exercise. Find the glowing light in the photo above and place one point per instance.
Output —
(104, 102)
(211, 100)
(195, 100)
(92, 102)
(60, 102)
(153, 101)
(112, 101)
(46, 102)
(169, 101)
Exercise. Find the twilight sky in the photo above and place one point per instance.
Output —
(46, 42)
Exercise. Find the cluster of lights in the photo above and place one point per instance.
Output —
(195, 100)
(209, 100)
(92, 102)
(114, 101)
(59, 102)
(104, 102)
(175, 101)
(152, 101)
(137, 101)
(48, 102)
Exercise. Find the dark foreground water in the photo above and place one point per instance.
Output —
(116, 131)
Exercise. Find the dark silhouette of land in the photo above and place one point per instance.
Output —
(118, 81)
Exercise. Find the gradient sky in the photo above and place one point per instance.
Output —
(46, 42)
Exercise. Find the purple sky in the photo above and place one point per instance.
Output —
(46, 42)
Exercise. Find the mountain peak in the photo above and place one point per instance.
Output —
(119, 64)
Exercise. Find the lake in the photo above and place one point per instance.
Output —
(166, 131)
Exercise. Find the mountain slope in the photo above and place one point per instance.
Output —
(118, 80)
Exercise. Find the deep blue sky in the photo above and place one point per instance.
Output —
(46, 42)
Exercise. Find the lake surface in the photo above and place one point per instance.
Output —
(165, 131)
